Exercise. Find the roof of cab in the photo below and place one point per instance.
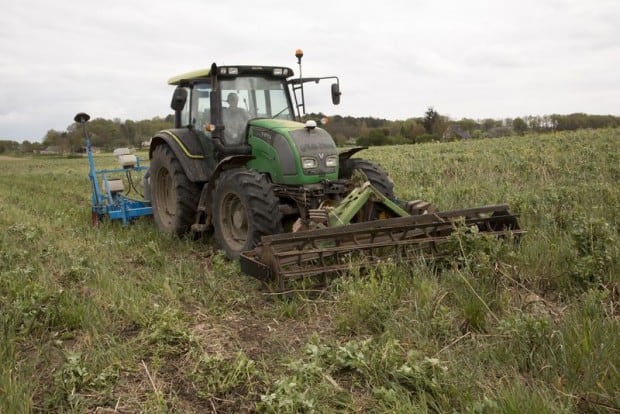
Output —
(241, 70)
(195, 74)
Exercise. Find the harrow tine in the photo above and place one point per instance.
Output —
(291, 256)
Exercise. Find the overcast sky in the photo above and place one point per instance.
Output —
(395, 58)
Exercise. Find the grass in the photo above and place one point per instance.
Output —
(129, 320)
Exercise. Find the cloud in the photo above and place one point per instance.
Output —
(473, 59)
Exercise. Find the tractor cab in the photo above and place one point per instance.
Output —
(219, 102)
(255, 111)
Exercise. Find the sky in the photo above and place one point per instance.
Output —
(467, 59)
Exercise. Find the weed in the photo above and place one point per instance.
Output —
(396, 380)
(519, 398)
(597, 246)
(81, 308)
(367, 302)
(168, 332)
(214, 376)
(527, 336)
(74, 381)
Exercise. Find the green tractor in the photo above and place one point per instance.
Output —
(240, 163)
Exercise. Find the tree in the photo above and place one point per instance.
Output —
(53, 138)
(430, 118)
(363, 134)
(489, 123)
(519, 126)
(8, 146)
(417, 130)
(468, 125)
(440, 126)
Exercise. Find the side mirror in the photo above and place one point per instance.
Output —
(336, 93)
(179, 97)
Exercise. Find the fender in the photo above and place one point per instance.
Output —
(345, 155)
(188, 149)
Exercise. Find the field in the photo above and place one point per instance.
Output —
(124, 320)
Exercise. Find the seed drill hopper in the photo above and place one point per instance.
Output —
(110, 199)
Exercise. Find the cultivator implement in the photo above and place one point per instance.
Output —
(332, 250)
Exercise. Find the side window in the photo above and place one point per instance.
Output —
(271, 102)
(261, 104)
(201, 107)
(185, 111)
(279, 105)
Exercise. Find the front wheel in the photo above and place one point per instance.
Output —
(379, 179)
(244, 209)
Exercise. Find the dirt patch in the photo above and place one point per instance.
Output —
(258, 337)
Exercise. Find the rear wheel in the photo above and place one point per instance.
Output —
(244, 209)
(379, 179)
(174, 196)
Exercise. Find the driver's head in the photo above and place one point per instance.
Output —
(232, 99)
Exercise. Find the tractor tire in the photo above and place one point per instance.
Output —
(378, 177)
(244, 209)
(173, 196)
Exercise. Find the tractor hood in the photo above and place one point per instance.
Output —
(300, 150)
(314, 142)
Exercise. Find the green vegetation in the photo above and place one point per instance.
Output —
(368, 131)
(129, 320)
(436, 127)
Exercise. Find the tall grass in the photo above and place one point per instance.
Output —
(125, 319)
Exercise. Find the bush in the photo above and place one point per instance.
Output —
(597, 248)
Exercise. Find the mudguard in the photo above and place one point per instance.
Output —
(346, 154)
(195, 157)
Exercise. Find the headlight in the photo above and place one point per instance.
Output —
(224, 70)
(331, 161)
(308, 163)
(280, 72)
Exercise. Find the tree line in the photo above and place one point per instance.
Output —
(346, 130)
(105, 134)
(436, 127)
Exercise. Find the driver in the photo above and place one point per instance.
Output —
(235, 120)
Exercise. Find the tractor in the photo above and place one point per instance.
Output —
(276, 192)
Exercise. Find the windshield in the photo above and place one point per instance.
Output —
(260, 97)
(243, 98)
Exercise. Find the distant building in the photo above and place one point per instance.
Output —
(58, 150)
(52, 150)
(84, 150)
(454, 132)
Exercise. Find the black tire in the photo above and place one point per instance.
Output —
(378, 177)
(244, 209)
(173, 196)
